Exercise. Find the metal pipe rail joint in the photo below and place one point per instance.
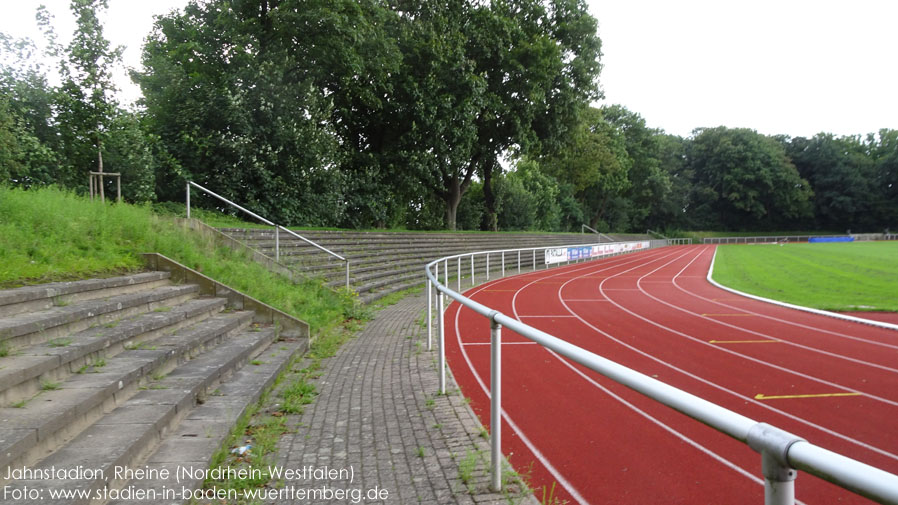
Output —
(277, 228)
(782, 453)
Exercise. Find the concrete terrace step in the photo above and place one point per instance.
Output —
(299, 249)
(132, 431)
(45, 296)
(58, 321)
(378, 257)
(22, 373)
(385, 262)
(100, 374)
(206, 427)
(61, 412)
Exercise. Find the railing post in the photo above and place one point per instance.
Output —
(534, 260)
(779, 478)
(347, 274)
(472, 270)
(442, 346)
(429, 314)
(495, 405)
(446, 273)
(188, 198)
(503, 263)
(519, 262)
(487, 266)
(458, 280)
(277, 244)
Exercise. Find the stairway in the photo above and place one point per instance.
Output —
(386, 262)
(131, 371)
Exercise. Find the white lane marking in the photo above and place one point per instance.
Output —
(729, 391)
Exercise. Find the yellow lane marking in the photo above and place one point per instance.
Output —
(744, 341)
(727, 315)
(787, 397)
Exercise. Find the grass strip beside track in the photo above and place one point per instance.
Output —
(859, 276)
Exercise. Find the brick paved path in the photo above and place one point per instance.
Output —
(378, 416)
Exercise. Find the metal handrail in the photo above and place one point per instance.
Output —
(653, 232)
(586, 227)
(277, 227)
(782, 453)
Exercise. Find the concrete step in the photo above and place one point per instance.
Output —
(62, 410)
(21, 374)
(382, 263)
(25, 329)
(300, 251)
(205, 429)
(45, 296)
(132, 431)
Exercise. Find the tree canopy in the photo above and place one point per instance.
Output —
(457, 114)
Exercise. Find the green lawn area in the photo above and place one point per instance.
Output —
(49, 235)
(857, 276)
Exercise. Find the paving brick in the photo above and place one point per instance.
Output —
(371, 414)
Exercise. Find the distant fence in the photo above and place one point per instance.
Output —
(770, 239)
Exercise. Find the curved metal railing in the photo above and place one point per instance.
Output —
(782, 453)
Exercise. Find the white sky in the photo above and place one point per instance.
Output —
(797, 67)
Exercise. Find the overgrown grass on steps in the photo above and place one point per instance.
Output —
(49, 235)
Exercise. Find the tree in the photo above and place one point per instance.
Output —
(594, 164)
(438, 94)
(85, 102)
(540, 62)
(30, 141)
(841, 172)
(670, 211)
(885, 156)
(649, 184)
(234, 92)
(744, 180)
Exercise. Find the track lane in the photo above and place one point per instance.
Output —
(732, 370)
(552, 319)
(661, 470)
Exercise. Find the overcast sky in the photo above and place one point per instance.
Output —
(796, 67)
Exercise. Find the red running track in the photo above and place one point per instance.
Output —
(833, 382)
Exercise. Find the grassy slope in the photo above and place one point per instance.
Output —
(831, 276)
(50, 235)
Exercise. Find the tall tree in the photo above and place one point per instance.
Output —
(884, 151)
(234, 93)
(744, 180)
(30, 141)
(649, 184)
(594, 164)
(438, 94)
(540, 62)
(841, 172)
(86, 103)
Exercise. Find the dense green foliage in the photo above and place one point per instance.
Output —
(836, 276)
(50, 235)
(456, 114)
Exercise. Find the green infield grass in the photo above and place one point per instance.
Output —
(856, 276)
